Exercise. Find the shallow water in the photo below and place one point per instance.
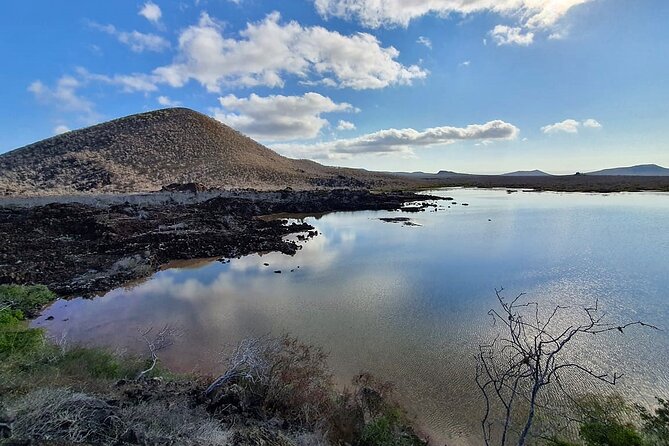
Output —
(409, 303)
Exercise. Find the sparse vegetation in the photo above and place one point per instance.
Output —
(276, 392)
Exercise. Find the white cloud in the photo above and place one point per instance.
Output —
(424, 41)
(129, 83)
(506, 35)
(345, 125)
(465, 63)
(376, 13)
(566, 126)
(269, 50)
(401, 141)
(60, 129)
(167, 102)
(592, 124)
(136, 41)
(570, 126)
(63, 95)
(276, 117)
(151, 12)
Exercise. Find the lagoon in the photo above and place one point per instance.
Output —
(409, 303)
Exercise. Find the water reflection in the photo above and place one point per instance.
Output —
(409, 303)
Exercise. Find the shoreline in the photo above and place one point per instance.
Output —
(84, 249)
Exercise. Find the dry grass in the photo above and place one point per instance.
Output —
(65, 415)
(146, 151)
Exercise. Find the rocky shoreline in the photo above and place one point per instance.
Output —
(80, 248)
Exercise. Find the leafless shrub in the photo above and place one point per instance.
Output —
(289, 377)
(250, 360)
(513, 370)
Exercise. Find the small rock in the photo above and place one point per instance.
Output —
(278, 271)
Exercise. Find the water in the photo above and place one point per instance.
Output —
(410, 304)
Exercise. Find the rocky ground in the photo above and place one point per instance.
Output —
(86, 248)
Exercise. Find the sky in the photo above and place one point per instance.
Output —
(476, 86)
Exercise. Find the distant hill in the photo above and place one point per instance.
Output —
(527, 173)
(642, 170)
(143, 152)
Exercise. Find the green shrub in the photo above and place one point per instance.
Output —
(28, 299)
(387, 431)
(656, 426)
(15, 337)
(610, 433)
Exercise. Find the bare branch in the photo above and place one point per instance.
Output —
(162, 340)
(516, 367)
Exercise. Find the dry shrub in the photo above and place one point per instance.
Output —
(64, 415)
(287, 377)
(300, 385)
(283, 379)
(61, 415)
(317, 438)
(173, 422)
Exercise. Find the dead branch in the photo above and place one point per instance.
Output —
(163, 339)
(516, 366)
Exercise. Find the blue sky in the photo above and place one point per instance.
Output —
(477, 86)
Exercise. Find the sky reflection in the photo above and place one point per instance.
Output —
(410, 303)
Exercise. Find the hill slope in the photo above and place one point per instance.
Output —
(527, 173)
(146, 151)
(642, 170)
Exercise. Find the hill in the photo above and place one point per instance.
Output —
(527, 173)
(642, 170)
(144, 152)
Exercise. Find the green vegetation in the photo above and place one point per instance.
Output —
(280, 394)
(27, 299)
(610, 421)
(387, 430)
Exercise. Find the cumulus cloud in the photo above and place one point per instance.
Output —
(376, 13)
(592, 124)
(276, 117)
(424, 41)
(63, 95)
(151, 12)
(60, 129)
(136, 41)
(570, 126)
(506, 35)
(268, 50)
(400, 141)
(566, 126)
(345, 125)
(167, 102)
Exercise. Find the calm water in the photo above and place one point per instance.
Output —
(409, 303)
